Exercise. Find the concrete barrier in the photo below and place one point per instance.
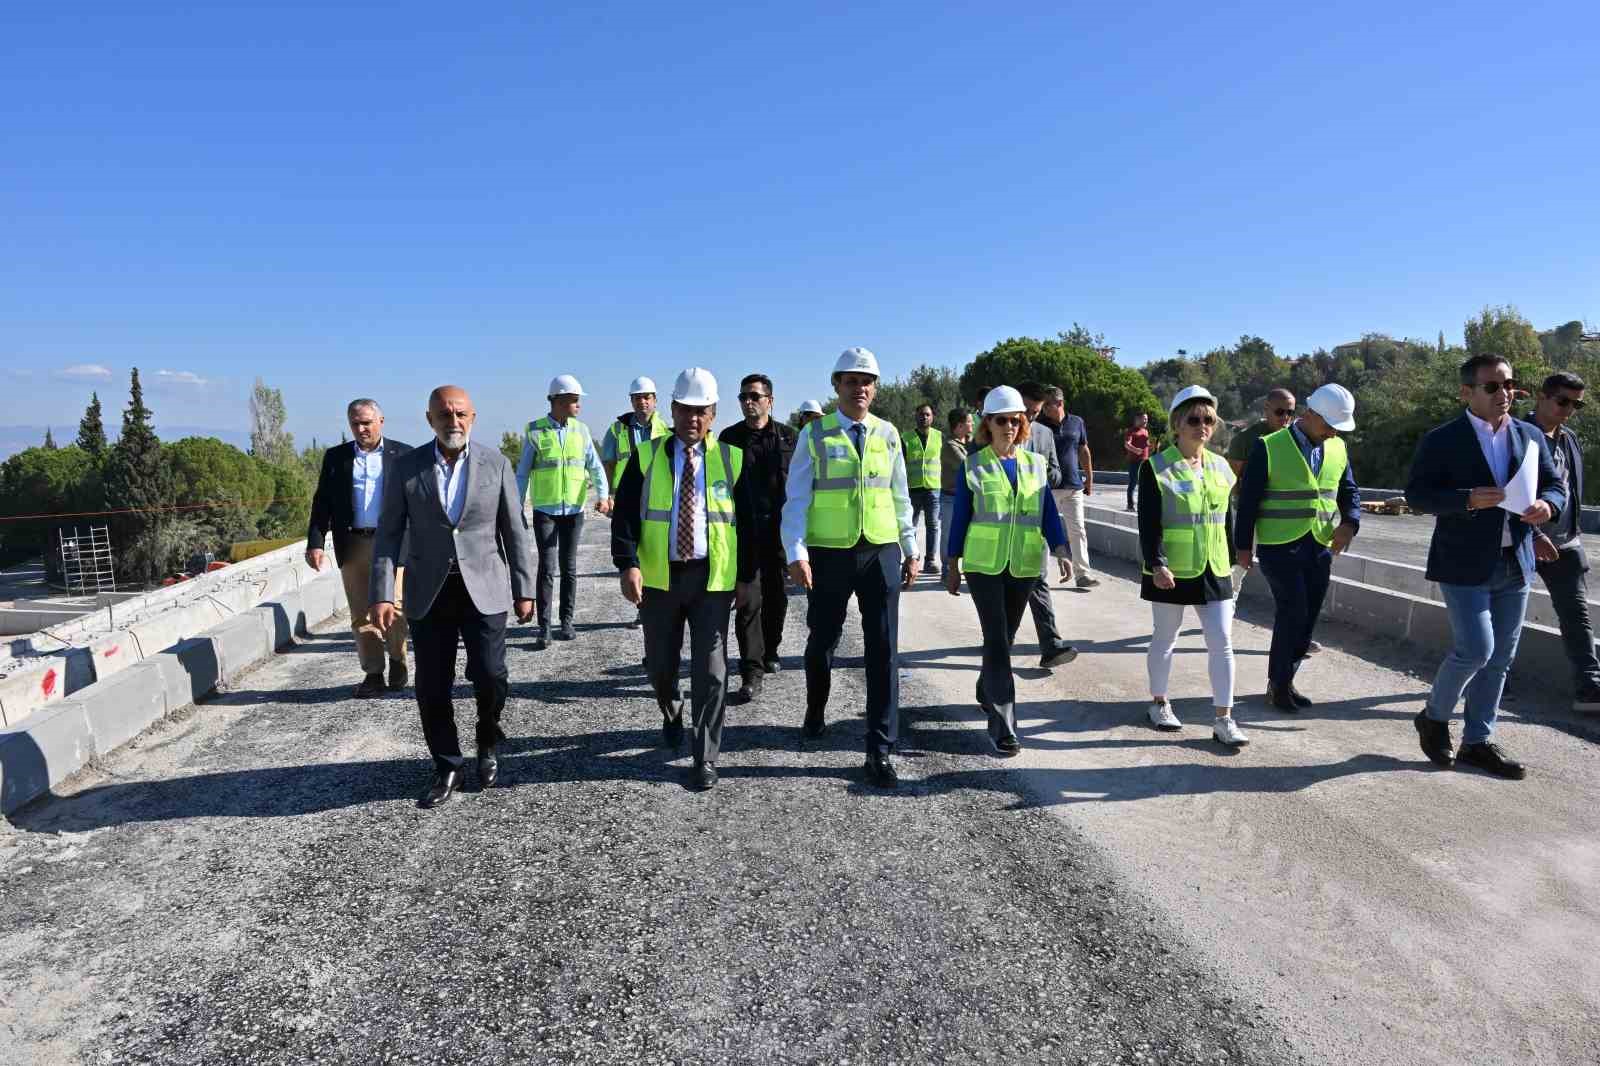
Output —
(26, 691)
(37, 755)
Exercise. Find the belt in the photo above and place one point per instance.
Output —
(674, 564)
(369, 531)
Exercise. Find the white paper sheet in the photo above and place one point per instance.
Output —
(1523, 488)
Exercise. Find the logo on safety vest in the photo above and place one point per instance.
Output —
(719, 489)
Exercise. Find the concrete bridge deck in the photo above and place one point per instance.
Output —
(252, 883)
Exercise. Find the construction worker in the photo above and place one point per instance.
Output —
(951, 458)
(1298, 508)
(558, 467)
(810, 411)
(848, 532)
(922, 478)
(1004, 515)
(1185, 511)
(640, 424)
(682, 535)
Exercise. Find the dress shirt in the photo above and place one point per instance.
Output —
(1496, 446)
(366, 487)
(591, 460)
(699, 518)
(798, 493)
(452, 482)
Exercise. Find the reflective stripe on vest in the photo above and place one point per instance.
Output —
(723, 465)
(851, 498)
(1006, 530)
(560, 475)
(922, 462)
(1296, 501)
(1194, 513)
(622, 437)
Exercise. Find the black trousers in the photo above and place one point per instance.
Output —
(1298, 573)
(759, 623)
(870, 573)
(1044, 613)
(665, 613)
(1569, 595)
(450, 621)
(1133, 479)
(551, 532)
(1000, 600)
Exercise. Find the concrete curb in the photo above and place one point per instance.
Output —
(55, 743)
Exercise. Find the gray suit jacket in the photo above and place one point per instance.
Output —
(491, 540)
(1043, 442)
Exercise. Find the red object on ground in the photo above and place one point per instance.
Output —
(48, 684)
(216, 565)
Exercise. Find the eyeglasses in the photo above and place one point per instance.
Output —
(1201, 420)
(1493, 387)
(752, 397)
(1567, 401)
(1006, 420)
(1282, 412)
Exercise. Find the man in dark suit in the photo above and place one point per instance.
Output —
(1558, 544)
(457, 516)
(347, 503)
(1481, 556)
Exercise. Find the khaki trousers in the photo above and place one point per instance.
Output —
(370, 641)
(1070, 503)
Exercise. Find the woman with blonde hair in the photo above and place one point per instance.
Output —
(1186, 543)
(1004, 514)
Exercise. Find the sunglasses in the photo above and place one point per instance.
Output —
(752, 397)
(1567, 401)
(1282, 412)
(1493, 387)
(1006, 420)
(1201, 420)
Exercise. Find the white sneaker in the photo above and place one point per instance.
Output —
(1228, 733)
(1161, 716)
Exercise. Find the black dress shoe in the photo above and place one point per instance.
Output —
(1279, 697)
(1006, 747)
(488, 768)
(749, 689)
(1490, 758)
(566, 632)
(671, 731)
(397, 674)
(1435, 739)
(1058, 656)
(771, 666)
(440, 788)
(702, 777)
(815, 724)
(1300, 700)
(880, 771)
(371, 687)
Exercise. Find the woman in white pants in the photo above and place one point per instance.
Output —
(1186, 542)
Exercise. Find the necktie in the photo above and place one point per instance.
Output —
(686, 497)
(856, 438)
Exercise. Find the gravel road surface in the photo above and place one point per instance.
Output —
(253, 883)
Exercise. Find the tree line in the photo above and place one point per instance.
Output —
(166, 501)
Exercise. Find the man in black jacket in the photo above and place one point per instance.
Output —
(347, 503)
(1558, 544)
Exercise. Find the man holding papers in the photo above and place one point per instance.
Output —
(1481, 554)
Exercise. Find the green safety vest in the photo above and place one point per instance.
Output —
(559, 475)
(622, 436)
(851, 499)
(922, 462)
(1005, 533)
(1194, 512)
(1296, 502)
(723, 464)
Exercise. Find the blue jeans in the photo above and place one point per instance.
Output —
(1298, 573)
(1486, 621)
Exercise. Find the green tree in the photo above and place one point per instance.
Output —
(897, 400)
(1504, 332)
(511, 446)
(219, 488)
(290, 509)
(269, 441)
(1104, 394)
(58, 482)
(139, 486)
(91, 430)
(49, 439)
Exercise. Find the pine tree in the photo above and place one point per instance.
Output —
(49, 440)
(91, 430)
(138, 484)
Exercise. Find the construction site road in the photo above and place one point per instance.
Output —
(253, 882)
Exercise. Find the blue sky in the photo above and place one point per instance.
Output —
(376, 198)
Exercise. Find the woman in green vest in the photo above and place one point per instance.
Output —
(1186, 542)
(1003, 516)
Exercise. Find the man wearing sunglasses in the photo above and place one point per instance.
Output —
(1481, 556)
(1558, 544)
(1277, 411)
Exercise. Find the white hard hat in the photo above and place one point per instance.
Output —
(856, 361)
(641, 385)
(565, 385)
(695, 387)
(1002, 401)
(1193, 392)
(810, 406)
(1336, 406)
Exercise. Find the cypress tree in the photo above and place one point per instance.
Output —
(49, 440)
(91, 430)
(139, 485)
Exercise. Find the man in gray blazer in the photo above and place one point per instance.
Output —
(1053, 651)
(468, 554)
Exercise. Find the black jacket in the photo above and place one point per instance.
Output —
(767, 454)
(627, 518)
(332, 509)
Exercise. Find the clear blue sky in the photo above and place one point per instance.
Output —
(376, 198)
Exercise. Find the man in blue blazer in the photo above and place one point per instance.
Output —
(1481, 556)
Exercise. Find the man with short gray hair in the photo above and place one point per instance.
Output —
(347, 503)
